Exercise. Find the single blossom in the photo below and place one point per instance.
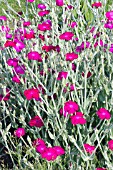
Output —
(16, 79)
(62, 75)
(44, 27)
(19, 69)
(41, 6)
(89, 148)
(19, 132)
(43, 13)
(59, 2)
(59, 150)
(78, 119)
(101, 169)
(97, 4)
(26, 23)
(3, 18)
(71, 56)
(31, 94)
(109, 15)
(41, 148)
(66, 36)
(71, 107)
(34, 55)
(110, 145)
(36, 121)
(49, 154)
(38, 141)
(30, 1)
(103, 114)
(12, 62)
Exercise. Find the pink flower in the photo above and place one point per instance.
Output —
(31, 94)
(103, 114)
(12, 62)
(8, 36)
(19, 132)
(49, 154)
(41, 148)
(19, 69)
(3, 18)
(41, 6)
(71, 56)
(59, 150)
(16, 79)
(97, 4)
(78, 119)
(30, 1)
(101, 169)
(62, 75)
(110, 145)
(109, 15)
(19, 45)
(89, 148)
(59, 2)
(9, 43)
(43, 13)
(38, 141)
(73, 24)
(34, 55)
(44, 27)
(36, 121)
(27, 23)
(66, 36)
(108, 25)
(71, 107)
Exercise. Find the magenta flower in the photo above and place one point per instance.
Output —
(41, 6)
(41, 148)
(71, 107)
(26, 23)
(110, 145)
(12, 62)
(97, 4)
(31, 94)
(44, 27)
(30, 1)
(103, 114)
(34, 55)
(49, 154)
(78, 119)
(19, 69)
(59, 2)
(66, 36)
(89, 149)
(16, 79)
(38, 141)
(71, 56)
(108, 25)
(3, 18)
(62, 75)
(19, 132)
(101, 169)
(43, 13)
(36, 121)
(59, 150)
(19, 45)
(73, 24)
(8, 36)
(109, 15)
